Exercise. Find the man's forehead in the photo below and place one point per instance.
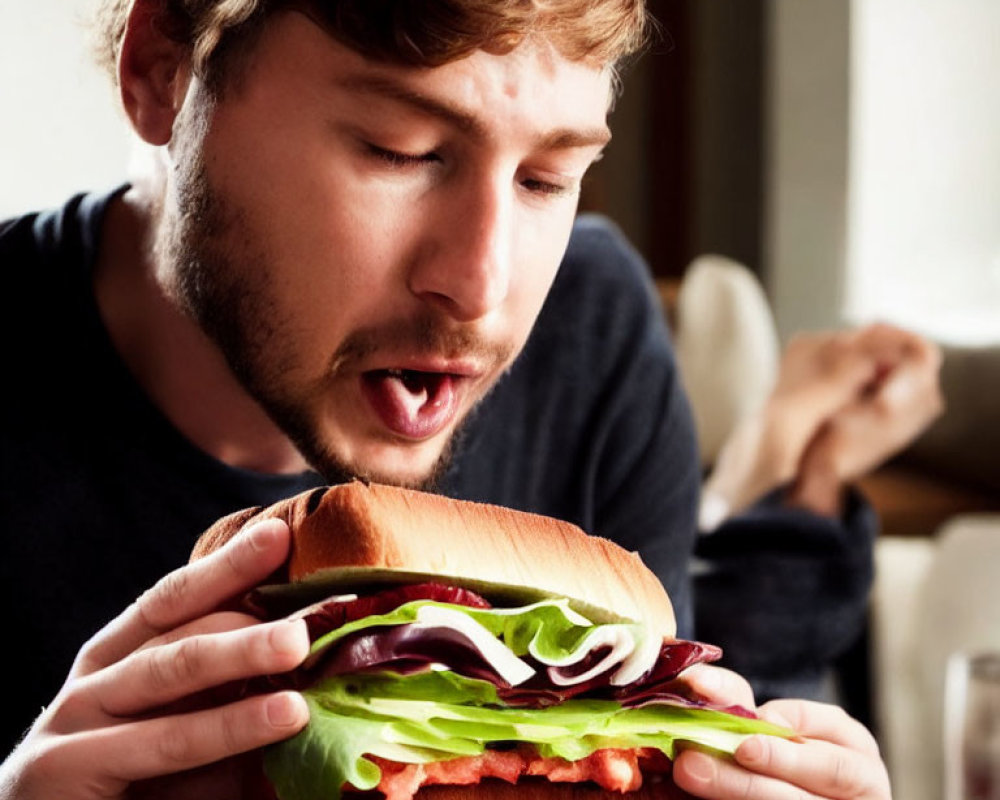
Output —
(568, 101)
(411, 93)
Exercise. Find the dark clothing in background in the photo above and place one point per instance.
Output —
(101, 495)
(785, 592)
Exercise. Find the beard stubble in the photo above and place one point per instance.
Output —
(229, 294)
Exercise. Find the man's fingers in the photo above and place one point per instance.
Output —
(890, 344)
(188, 593)
(913, 385)
(820, 374)
(719, 686)
(707, 776)
(820, 767)
(771, 768)
(822, 721)
(835, 757)
(165, 745)
(219, 622)
(886, 419)
(160, 675)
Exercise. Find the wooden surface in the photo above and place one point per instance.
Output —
(915, 503)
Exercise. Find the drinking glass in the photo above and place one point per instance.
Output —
(972, 727)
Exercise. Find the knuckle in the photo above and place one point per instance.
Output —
(846, 779)
(189, 660)
(157, 604)
(60, 756)
(234, 731)
(843, 721)
(72, 708)
(97, 652)
(843, 718)
(867, 742)
(47, 756)
(175, 747)
(746, 786)
(766, 755)
(159, 674)
(88, 659)
(239, 558)
(233, 560)
(175, 665)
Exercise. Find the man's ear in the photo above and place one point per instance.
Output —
(153, 72)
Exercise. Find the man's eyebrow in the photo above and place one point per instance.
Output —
(565, 138)
(559, 139)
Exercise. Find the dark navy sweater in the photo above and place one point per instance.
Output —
(101, 495)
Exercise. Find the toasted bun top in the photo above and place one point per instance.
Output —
(355, 529)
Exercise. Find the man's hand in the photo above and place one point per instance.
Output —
(135, 705)
(833, 757)
(843, 403)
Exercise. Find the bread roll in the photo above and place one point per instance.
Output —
(354, 529)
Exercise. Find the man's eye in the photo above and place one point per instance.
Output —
(536, 186)
(396, 159)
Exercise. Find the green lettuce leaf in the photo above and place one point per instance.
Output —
(435, 716)
(549, 630)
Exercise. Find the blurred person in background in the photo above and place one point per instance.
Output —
(842, 404)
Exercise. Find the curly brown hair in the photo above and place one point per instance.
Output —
(410, 32)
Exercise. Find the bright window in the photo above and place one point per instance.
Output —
(924, 243)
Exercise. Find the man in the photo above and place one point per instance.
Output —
(353, 216)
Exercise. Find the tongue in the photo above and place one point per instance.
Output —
(416, 405)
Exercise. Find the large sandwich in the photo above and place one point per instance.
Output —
(457, 644)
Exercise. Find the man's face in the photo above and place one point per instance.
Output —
(369, 244)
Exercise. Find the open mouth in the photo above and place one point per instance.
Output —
(411, 403)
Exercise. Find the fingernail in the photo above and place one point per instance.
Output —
(284, 710)
(700, 767)
(290, 637)
(261, 535)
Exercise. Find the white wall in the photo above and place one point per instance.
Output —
(805, 180)
(60, 131)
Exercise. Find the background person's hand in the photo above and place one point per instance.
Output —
(885, 417)
(833, 757)
(843, 403)
(136, 703)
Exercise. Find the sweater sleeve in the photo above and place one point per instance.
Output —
(785, 592)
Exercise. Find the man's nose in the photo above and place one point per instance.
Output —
(464, 266)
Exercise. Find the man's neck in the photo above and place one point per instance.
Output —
(179, 367)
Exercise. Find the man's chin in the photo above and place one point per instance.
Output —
(418, 466)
